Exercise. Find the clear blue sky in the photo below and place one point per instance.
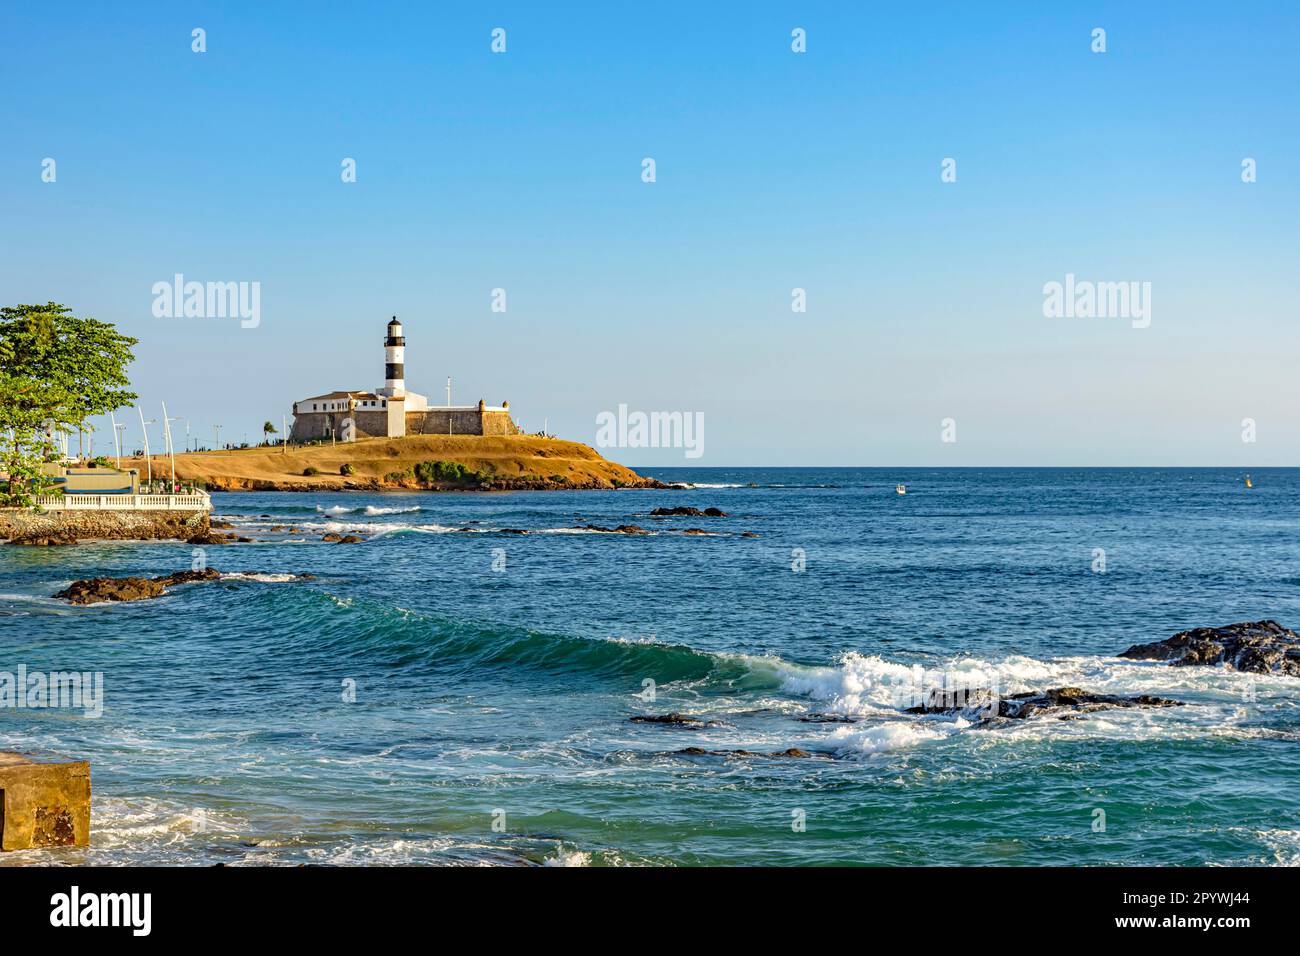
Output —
(775, 170)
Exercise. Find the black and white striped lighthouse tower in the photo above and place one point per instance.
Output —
(394, 361)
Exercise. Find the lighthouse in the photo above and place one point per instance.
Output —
(394, 361)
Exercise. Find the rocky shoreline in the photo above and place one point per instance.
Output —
(24, 526)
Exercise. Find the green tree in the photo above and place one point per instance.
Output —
(56, 371)
(267, 431)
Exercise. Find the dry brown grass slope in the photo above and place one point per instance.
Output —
(511, 462)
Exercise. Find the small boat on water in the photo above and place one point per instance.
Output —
(900, 489)
(1249, 483)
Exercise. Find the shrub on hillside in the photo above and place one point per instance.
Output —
(310, 471)
(447, 472)
(347, 469)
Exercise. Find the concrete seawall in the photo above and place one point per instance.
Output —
(20, 525)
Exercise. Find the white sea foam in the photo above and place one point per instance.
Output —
(335, 510)
(892, 735)
(567, 857)
(382, 528)
(1283, 844)
(268, 577)
(373, 510)
(1221, 702)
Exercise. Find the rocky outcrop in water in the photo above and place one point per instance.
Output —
(621, 529)
(96, 590)
(1061, 702)
(682, 512)
(1259, 647)
(674, 718)
(216, 537)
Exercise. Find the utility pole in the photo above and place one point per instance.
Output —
(144, 427)
(449, 391)
(216, 431)
(284, 434)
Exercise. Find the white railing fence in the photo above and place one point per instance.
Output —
(123, 502)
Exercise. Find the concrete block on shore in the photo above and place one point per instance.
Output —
(44, 801)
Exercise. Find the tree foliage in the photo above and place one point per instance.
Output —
(56, 371)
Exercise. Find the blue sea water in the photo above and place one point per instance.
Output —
(495, 675)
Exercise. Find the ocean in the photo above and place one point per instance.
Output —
(435, 695)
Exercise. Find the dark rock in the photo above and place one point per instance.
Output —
(793, 752)
(621, 529)
(749, 534)
(513, 531)
(220, 525)
(211, 537)
(95, 590)
(1030, 704)
(1259, 647)
(680, 720)
(694, 531)
(683, 512)
(45, 541)
(350, 539)
(826, 719)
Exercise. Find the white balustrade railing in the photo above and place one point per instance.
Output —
(82, 502)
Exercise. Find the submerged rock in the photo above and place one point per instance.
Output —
(95, 590)
(1259, 647)
(818, 718)
(681, 720)
(621, 529)
(793, 752)
(1064, 702)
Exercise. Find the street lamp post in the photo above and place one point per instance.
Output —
(171, 449)
(144, 428)
(117, 438)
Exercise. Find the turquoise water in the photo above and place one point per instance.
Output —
(504, 696)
